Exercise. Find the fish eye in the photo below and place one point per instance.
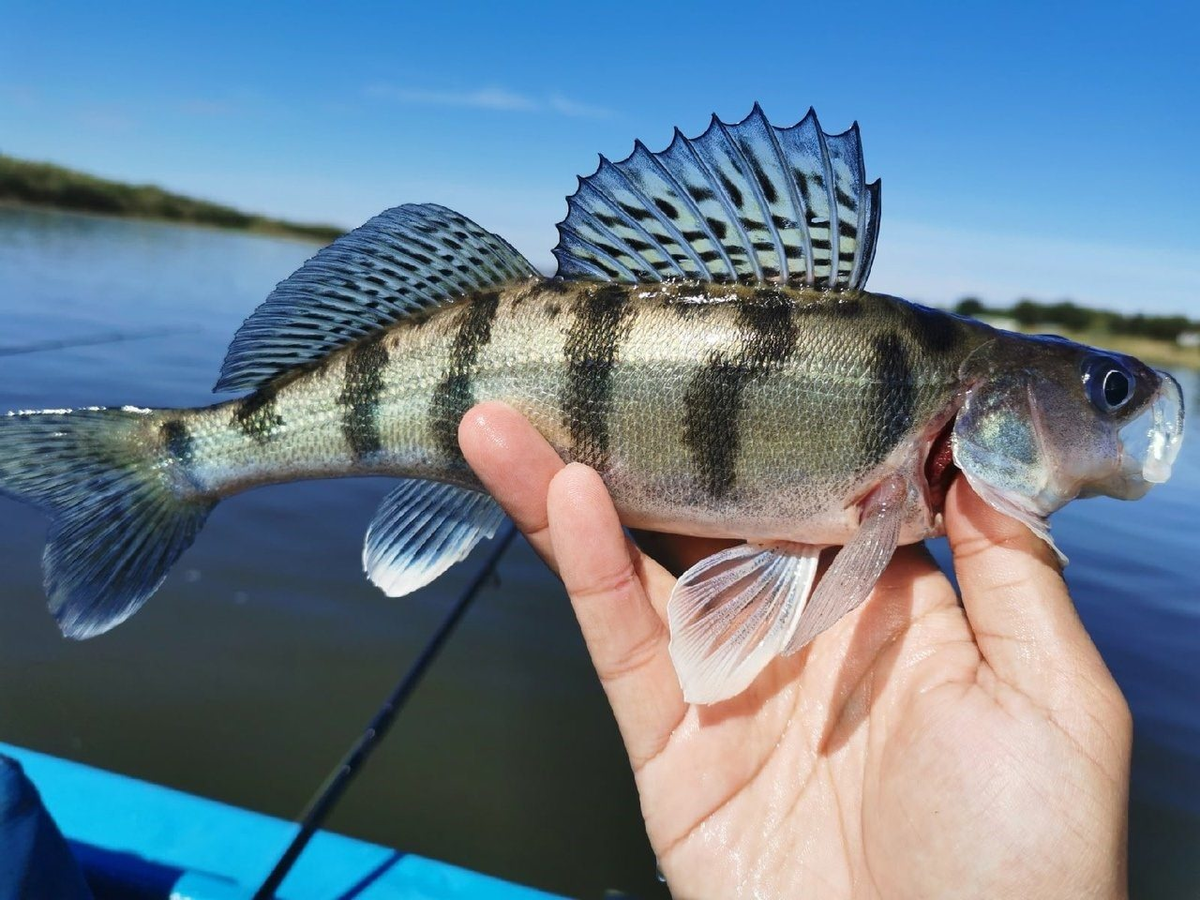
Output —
(1108, 384)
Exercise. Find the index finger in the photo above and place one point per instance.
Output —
(618, 595)
(516, 465)
(1016, 601)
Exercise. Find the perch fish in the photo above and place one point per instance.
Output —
(707, 345)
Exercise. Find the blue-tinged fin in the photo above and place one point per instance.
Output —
(747, 202)
(110, 481)
(422, 528)
(406, 260)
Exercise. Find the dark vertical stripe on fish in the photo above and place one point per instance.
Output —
(256, 415)
(713, 400)
(455, 395)
(936, 332)
(177, 438)
(710, 427)
(591, 351)
(891, 406)
(361, 388)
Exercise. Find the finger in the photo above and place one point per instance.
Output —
(625, 634)
(515, 464)
(1016, 600)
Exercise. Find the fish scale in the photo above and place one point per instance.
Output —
(696, 434)
(708, 347)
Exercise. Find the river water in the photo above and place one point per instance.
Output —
(266, 650)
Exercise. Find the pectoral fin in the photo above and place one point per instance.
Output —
(858, 565)
(733, 612)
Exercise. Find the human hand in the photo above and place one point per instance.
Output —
(918, 748)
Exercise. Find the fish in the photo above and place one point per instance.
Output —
(707, 345)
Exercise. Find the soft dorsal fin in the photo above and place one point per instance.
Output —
(745, 202)
(405, 260)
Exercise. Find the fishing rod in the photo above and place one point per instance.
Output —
(92, 340)
(336, 782)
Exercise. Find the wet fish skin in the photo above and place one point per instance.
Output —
(764, 414)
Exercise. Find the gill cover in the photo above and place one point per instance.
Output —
(997, 446)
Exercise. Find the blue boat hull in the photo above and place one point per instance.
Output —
(134, 839)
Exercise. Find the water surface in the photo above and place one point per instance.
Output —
(266, 650)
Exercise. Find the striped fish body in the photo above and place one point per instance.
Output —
(707, 346)
(725, 411)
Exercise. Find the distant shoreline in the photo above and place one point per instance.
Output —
(38, 185)
(1154, 351)
(16, 205)
(25, 184)
(1164, 340)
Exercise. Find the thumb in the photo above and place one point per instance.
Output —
(1017, 603)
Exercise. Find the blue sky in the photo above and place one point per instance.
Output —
(1025, 149)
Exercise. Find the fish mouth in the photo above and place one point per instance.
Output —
(1150, 442)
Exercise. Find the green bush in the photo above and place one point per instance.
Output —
(1070, 315)
(43, 184)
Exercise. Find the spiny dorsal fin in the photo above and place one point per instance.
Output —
(405, 260)
(745, 202)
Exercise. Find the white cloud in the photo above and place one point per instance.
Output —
(491, 97)
(568, 107)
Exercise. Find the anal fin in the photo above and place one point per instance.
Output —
(422, 528)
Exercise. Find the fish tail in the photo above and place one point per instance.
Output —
(122, 505)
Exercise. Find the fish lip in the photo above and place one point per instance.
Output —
(1150, 441)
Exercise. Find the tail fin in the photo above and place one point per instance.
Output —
(114, 483)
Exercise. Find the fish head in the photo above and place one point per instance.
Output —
(1044, 420)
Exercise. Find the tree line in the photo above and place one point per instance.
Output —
(1067, 314)
(44, 184)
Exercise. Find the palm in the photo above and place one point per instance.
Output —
(918, 748)
(793, 751)
(872, 742)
